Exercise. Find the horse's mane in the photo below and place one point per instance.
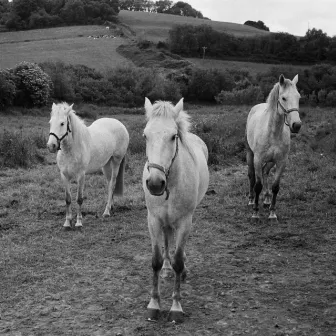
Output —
(272, 99)
(165, 109)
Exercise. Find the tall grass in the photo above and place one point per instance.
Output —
(19, 150)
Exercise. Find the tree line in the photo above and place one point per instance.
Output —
(31, 14)
(163, 6)
(315, 47)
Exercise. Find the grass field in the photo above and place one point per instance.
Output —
(155, 26)
(71, 45)
(245, 277)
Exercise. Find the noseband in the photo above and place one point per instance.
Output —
(287, 112)
(165, 171)
(60, 139)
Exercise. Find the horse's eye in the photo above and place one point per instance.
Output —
(283, 98)
(62, 123)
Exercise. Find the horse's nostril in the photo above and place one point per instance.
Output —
(162, 184)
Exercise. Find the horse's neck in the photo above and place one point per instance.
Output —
(276, 123)
(76, 137)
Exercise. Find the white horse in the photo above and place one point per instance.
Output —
(268, 140)
(83, 149)
(175, 179)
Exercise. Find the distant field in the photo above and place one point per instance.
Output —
(155, 27)
(68, 44)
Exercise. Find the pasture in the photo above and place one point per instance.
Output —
(155, 26)
(245, 277)
(71, 45)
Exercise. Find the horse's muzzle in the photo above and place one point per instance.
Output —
(52, 147)
(156, 186)
(296, 127)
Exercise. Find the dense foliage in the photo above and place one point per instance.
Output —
(29, 14)
(25, 85)
(163, 6)
(314, 47)
(256, 24)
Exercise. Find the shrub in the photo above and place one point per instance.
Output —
(250, 95)
(34, 86)
(331, 98)
(7, 89)
(206, 84)
(321, 97)
(313, 99)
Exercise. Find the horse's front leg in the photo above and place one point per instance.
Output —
(153, 308)
(167, 268)
(257, 187)
(68, 215)
(250, 174)
(176, 312)
(80, 192)
(276, 187)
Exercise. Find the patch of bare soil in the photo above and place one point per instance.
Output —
(245, 278)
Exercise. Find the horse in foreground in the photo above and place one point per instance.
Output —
(81, 149)
(175, 179)
(268, 140)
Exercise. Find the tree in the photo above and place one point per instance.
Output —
(259, 25)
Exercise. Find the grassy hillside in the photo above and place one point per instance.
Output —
(69, 44)
(155, 27)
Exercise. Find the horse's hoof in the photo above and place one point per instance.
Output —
(67, 228)
(106, 215)
(78, 227)
(152, 315)
(176, 316)
(273, 217)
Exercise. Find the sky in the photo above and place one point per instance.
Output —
(290, 16)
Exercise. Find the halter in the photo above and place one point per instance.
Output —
(60, 139)
(165, 171)
(287, 112)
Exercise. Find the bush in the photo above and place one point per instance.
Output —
(321, 97)
(250, 95)
(206, 84)
(34, 86)
(7, 89)
(331, 98)
(313, 99)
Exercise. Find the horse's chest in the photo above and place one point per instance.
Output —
(69, 168)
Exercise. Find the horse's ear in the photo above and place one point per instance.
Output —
(295, 79)
(148, 106)
(179, 106)
(69, 109)
(281, 79)
(53, 105)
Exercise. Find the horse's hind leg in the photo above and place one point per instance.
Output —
(257, 187)
(110, 171)
(276, 187)
(251, 173)
(153, 308)
(68, 215)
(176, 312)
(266, 170)
(80, 192)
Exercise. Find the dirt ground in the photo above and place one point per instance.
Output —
(245, 278)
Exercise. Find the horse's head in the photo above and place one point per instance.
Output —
(59, 125)
(289, 102)
(161, 134)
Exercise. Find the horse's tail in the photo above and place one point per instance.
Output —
(119, 187)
